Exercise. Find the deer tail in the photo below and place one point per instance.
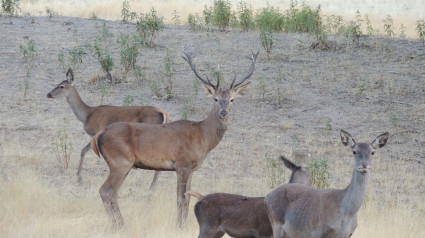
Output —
(94, 145)
(195, 194)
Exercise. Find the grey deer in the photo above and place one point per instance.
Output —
(96, 119)
(298, 211)
(179, 146)
(237, 215)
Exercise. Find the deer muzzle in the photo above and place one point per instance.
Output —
(223, 113)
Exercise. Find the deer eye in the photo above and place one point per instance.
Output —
(354, 152)
(372, 153)
(231, 100)
(62, 87)
(215, 99)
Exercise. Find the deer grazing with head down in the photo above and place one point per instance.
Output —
(96, 119)
(237, 215)
(179, 146)
(298, 211)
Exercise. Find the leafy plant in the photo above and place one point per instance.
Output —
(262, 86)
(320, 173)
(208, 15)
(11, 7)
(185, 109)
(389, 26)
(420, 29)
(63, 148)
(269, 20)
(246, 16)
(126, 14)
(28, 53)
(51, 13)
(99, 50)
(103, 92)
(128, 100)
(176, 17)
(353, 29)
(221, 14)
(195, 22)
(169, 71)
(274, 170)
(402, 31)
(369, 28)
(129, 50)
(72, 59)
(148, 26)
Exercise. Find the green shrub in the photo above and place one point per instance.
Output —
(320, 173)
(269, 20)
(148, 26)
(126, 14)
(420, 29)
(63, 148)
(128, 100)
(389, 26)
(11, 7)
(208, 15)
(28, 53)
(72, 59)
(176, 17)
(169, 71)
(129, 50)
(275, 171)
(99, 50)
(222, 14)
(246, 16)
(51, 13)
(195, 22)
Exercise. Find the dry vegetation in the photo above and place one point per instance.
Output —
(298, 101)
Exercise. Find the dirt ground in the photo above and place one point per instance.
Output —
(298, 101)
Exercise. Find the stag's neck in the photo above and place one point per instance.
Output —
(355, 193)
(213, 129)
(79, 108)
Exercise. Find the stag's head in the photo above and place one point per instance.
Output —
(223, 99)
(63, 88)
(363, 152)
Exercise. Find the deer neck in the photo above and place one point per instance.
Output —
(354, 193)
(213, 129)
(79, 108)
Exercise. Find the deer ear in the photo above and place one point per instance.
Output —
(70, 76)
(347, 139)
(208, 89)
(241, 90)
(380, 141)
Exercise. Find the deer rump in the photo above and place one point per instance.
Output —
(236, 215)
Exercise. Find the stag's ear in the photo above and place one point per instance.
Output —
(347, 139)
(70, 76)
(241, 90)
(208, 89)
(380, 141)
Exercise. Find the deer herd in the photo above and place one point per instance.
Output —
(143, 137)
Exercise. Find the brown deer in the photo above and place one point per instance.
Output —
(96, 119)
(299, 211)
(179, 146)
(237, 215)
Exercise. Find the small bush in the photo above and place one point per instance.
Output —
(389, 26)
(126, 14)
(269, 20)
(51, 13)
(11, 7)
(148, 26)
(128, 100)
(246, 16)
(28, 53)
(420, 29)
(72, 59)
(129, 50)
(275, 171)
(62, 148)
(169, 71)
(222, 14)
(99, 50)
(320, 173)
(176, 17)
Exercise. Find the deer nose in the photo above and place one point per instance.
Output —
(49, 95)
(223, 113)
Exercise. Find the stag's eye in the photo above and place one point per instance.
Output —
(215, 99)
(231, 100)
(372, 153)
(62, 87)
(354, 152)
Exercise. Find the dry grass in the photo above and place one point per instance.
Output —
(365, 90)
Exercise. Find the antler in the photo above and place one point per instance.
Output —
(248, 74)
(188, 59)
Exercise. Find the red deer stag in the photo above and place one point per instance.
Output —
(237, 215)
(298, 211)
(179, 146)
(96, 119)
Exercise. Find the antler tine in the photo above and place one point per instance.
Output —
(192, 65)
(249, 73)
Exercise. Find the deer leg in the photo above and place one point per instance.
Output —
(155, 177)
(109, 194)
(183, 177)
(80, 166)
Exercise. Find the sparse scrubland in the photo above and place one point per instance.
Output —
(331, 75)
